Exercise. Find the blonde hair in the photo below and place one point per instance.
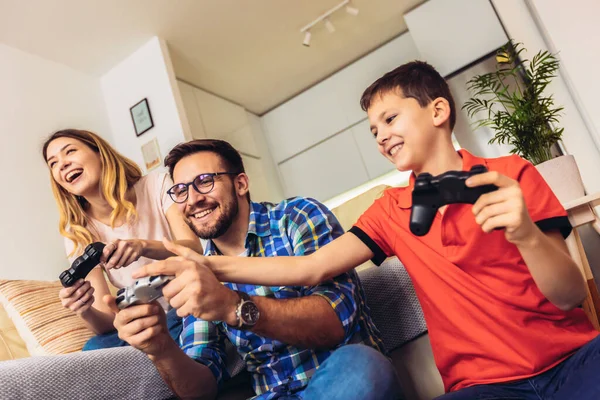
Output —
(118, 175)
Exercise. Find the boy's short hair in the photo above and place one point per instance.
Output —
(230, 157)
(417, 80)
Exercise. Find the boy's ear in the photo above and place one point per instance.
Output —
(441, 111)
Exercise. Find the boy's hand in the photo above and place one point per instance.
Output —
(503, 208)
(143, 326)
(195, 290)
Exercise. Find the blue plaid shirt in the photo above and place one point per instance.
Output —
(297, 226)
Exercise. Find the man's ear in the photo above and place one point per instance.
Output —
(242, 184)
(441, 111)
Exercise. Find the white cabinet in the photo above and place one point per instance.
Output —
(219, 116)
(259, 186)
(212, 117)
(314, 158)
(326, 170)
(191, 110)
(304, 121)
(375, 163)
(243, 141)
(451, 34)
(351, 82)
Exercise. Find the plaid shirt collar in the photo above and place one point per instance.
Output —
(259, 224)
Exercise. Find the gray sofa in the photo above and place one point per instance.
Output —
(125, 373)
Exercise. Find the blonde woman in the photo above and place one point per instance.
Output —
(102, 196)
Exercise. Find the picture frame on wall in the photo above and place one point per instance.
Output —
(141, 117)
(151, 154)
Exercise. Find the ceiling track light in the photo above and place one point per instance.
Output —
(325, 19)
(352, 10)
(329, 25)
(306, 41)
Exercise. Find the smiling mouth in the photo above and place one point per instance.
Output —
(73, 175)
(395, 149)
(203, 213)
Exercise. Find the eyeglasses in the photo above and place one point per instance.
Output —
(203, 184)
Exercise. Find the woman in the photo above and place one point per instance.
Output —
(103, 197)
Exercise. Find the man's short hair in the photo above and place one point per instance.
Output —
(417, 80)
(230, 157)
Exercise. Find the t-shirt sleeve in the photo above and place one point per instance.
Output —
(370, 230)
(164, 183)
(69, 246)
(544, 207)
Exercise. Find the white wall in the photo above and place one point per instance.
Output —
(210, 116)
(572, 30)
(37, 97)
(451, 34)
(147, 73)
(320, 139)
(577, 139)
(476, 140)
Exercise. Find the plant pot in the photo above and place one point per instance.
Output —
(563, 177)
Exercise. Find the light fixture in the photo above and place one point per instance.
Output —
(329, 26)
(352, 10)
(306, 41)
(325, 19)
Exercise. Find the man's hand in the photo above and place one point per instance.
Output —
(503, 208)
(143, 326)
(121, 253)
(195, 290)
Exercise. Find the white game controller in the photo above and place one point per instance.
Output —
(143, 291)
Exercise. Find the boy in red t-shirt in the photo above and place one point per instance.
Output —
(500, 304)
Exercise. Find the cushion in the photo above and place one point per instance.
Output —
(43, 323)
(117, 373)
(348, 212)
(394, 305)
(11, 344)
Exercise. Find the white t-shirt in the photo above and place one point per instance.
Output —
(152, 203)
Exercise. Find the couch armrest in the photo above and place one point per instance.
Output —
(118, 373)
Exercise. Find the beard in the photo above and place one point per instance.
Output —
(229, 210)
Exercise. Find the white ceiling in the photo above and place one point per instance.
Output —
(249, 52)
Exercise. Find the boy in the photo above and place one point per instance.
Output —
(500, 304)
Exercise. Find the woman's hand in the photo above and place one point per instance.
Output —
(121, 253)
(77, 298)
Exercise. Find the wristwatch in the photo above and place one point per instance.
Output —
(247, 312)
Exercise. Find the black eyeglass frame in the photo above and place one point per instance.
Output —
(213, 175)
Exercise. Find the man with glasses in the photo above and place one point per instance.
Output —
(285, 335)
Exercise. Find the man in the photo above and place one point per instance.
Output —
(285, 335)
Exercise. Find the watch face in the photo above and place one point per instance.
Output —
(249, 313)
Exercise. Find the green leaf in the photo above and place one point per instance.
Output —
(514, 100)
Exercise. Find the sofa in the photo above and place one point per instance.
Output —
(40, 342)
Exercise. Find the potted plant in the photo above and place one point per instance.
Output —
(512, 101)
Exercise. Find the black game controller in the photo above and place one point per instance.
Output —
(82, 265)
(433, 192)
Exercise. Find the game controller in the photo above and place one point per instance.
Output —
(143, 291)
(82, 265)
(431, 193)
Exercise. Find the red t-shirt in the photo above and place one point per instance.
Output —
(488, 321)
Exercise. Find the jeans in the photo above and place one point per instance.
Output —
(111, 339)
(574, 378)
(353, 372)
